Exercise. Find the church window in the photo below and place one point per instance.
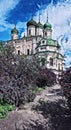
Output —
(56, 63)
(43, 41)
(45, 33)
(43, 47)
(62, 67)
(51, 61)
(43, 61)
(28, 51)
(18, 52)
(29, 32)
(59, 66)
(12, 37)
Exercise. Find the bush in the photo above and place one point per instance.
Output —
(17, 77)
(45, 78)
(65, 82)
(4, 109)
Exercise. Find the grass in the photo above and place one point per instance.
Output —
(4, 109)
(38, 89)
(41, 100)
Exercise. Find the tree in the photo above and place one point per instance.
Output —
(17, 76)
(45, 78)
(65, 82)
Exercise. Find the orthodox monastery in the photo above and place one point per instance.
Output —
(39, 42)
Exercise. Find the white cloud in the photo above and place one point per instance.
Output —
(5, 7)
(60, 19)
(68, 61)
(21, 24)
(59, 16)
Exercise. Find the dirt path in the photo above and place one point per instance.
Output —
(48, 94)
(28, 118)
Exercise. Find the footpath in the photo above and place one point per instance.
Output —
(48, 111)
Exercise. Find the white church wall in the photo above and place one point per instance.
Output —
(49, 34)
(14, 36)
(39, 32)
(31, 31)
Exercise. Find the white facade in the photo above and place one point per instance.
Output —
(39, 42)
(14, 36)
(31, 31)
(39, 32)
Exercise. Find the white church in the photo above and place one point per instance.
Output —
(39, 42)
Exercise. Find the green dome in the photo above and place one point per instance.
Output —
(47, 25)
(31, 22)
(39, 25)
(51, 42)
(14, 31)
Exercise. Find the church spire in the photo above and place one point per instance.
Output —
(39, 16)
(47, 16)
(32, 16)
(14, 33)
(14, 26)
(24, 34)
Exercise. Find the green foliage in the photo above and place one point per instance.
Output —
(38, 89)
(1, 48)
(19, 75)
(4, 109)
(65, 82)
(45, 78)
(41, 101)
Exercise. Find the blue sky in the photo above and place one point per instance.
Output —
(20, 11)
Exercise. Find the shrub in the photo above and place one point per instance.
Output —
(4, 109)
(17, 77)
(45, 78)
(65, 82)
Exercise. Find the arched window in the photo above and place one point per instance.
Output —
(62, 68)
(43, 61)
(28, 51)
(58, 66)
(45, 34)
(51, 61)
(43, 41)
(18, 52)
(29, 32)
